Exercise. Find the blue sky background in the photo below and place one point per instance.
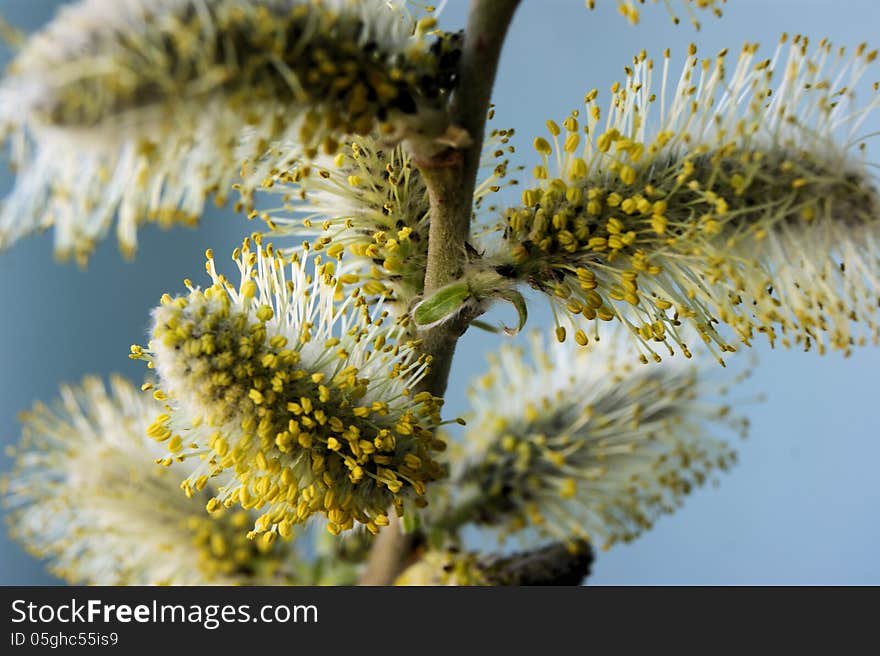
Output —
(803, 504)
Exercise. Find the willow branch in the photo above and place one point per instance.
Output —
(555, 564)
(390, 555)
(451, 177)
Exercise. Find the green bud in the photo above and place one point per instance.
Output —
(442, 305)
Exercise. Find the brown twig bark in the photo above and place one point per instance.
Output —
(554, 564)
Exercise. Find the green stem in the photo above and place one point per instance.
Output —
(451, 178)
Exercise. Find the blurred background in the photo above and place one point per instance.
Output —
(803, 505)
